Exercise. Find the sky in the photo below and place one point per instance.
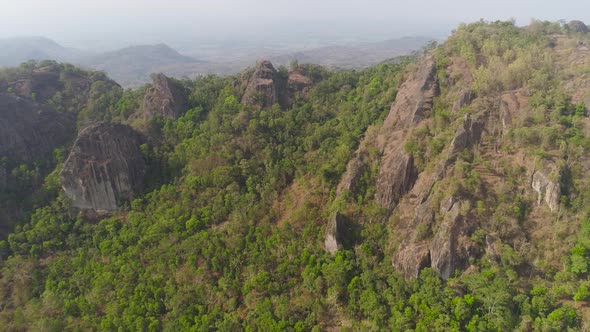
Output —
(88, 23)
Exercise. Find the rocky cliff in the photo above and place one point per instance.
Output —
(29, 131)
(412, 105)
(105, 167)
(164, 98)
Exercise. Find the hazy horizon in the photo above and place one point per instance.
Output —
(110, 24)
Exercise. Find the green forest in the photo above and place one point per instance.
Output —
(228, 233)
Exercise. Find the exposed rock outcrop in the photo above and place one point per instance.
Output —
(297, 83)
(547, 189)
(164, 98)
(465, 97)
(334, 234)
(105, 167)
(577, 26)
(29, 131)
(467, 134)
(412, 104)
(411, 258)
(264, 86)
(451, 247)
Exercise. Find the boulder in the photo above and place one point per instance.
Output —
(105, 167)
(334, 234)
(577, 26)
(165, 98)
(297, 84)
(547, 190)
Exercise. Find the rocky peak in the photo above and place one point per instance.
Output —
(577, 26)
(164, 98)
(263, 86)
(105, 167)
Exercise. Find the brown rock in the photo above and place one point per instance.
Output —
(263, 86)
(164, 98)
(105, 167)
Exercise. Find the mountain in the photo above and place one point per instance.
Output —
(132, 66)
(446, 190)
(355, 56)
(18, 50)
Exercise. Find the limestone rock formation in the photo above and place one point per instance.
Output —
(412, 103)
(105, 167)
(164, 98)
(577, 26)
(29, 131)
(334, 234)
(546, 189)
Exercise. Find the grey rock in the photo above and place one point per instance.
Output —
(29, 131)
(546, 189)
(466, 135)
(411, 258)
(577, 26)
(334, 234)
(465, 97)
(164, 98)
(105, 167)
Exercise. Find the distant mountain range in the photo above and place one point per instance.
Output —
(131, 66)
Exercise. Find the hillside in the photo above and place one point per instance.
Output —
(18, 50)
(441, 191)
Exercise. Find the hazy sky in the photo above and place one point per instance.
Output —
(122, 21)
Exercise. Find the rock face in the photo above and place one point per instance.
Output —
(412, 103)
(264, 86)
(29, 131)
(465, 97)
(105, 167)
(577, 26)
(164, 98)
(467, 134)
(334, 234)
(547, 190)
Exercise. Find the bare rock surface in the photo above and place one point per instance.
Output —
(164, 98)
(548, 190)
(105, 167)
(334, 234)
